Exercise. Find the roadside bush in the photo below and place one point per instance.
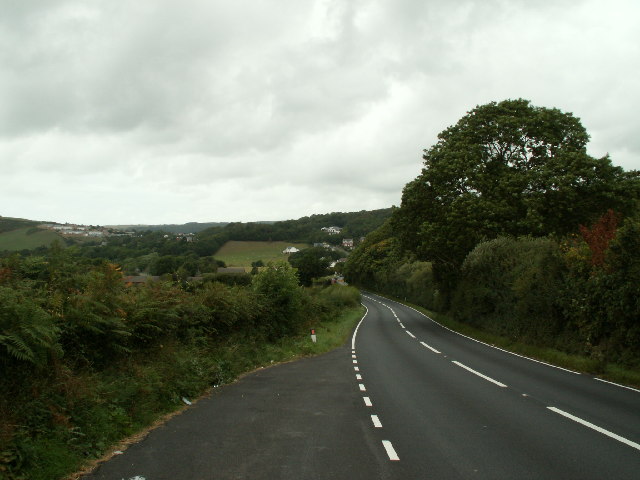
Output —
(337, 297)
(282, 310)
(228, 308)
(509, 286)
(602, 301)
(243, 279)
(27, 332)
(153, 313)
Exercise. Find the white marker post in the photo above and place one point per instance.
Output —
(313, 335)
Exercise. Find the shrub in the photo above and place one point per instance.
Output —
(601, 299)
(510, 286)
(27, 332)
(336, 297)
(282, 299)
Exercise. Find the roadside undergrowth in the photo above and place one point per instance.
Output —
(72, 411)
(129, 400)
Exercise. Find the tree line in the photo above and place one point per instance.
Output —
(512, 227)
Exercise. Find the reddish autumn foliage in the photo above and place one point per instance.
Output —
(599, 236)
(5, 274)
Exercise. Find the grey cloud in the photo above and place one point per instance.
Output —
(299, 104)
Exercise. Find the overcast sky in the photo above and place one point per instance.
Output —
(152, 111)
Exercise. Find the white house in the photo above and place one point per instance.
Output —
(331, 230)
(290, 250)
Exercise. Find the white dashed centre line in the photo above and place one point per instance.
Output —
(355, 361)
(376, 421)
(430, 348)
(367, 401)
(596, 428)
(362, 388)
(357, 369)
(390, 450)
(353, 356)
(489, 379)
(401, 325)
(358, 376)
(410, 334)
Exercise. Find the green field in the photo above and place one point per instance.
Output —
(27, 238)
(242, 254)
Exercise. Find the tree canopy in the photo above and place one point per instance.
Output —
(312, 263)
(507, 168)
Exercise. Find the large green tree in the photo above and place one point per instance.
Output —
(507, 168)
(312, 263)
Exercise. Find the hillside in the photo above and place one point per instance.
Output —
(190, 227)
(8, 223)
(27, 239)
(22, 234)
(302, 230)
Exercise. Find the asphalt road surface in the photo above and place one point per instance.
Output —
(404, 399)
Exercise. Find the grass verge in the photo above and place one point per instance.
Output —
(579, 363)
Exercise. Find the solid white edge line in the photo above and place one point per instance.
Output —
(596, 428)
(355, 332)
(616, 384)
(410, 334)
(488, 379)
(483, 343)
(390, 450)
(429, 347)
(367, 401)
(376, 421)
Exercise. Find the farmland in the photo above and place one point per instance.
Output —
(242, 254)
(27, 238)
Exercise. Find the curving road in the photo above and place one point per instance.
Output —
(404, 399)
(453, 407)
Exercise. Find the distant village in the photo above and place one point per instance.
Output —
(85, 230)
(347, 243)
(102, 232)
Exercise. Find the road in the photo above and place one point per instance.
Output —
(404, 399)
(453, 407)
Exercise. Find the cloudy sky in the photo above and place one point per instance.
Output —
(160, 111)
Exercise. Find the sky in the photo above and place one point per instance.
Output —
(159, 111)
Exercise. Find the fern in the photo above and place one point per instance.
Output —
(27, 332)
